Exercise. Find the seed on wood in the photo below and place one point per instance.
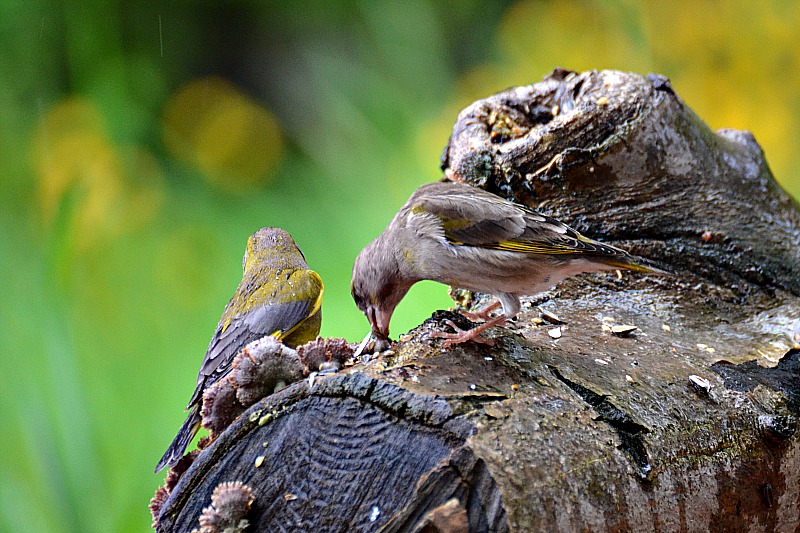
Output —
(551, 317)
(700, 384)
(623, 330)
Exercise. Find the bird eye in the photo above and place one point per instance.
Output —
(357, 298)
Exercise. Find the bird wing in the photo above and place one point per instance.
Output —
(472, 217)
(467, 216)
(285, 307)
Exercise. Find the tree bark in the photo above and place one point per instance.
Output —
(688, 423)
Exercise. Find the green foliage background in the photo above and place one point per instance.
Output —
(141, 144)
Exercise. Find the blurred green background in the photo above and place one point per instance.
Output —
(141, 144)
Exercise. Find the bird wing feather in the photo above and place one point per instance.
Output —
(472, 217)
(469, 220)
(285, 309)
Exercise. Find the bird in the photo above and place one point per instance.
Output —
(472, 239)
(278, 296)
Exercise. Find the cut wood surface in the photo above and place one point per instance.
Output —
(685, 423)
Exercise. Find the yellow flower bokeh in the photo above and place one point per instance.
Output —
(85, 182)
(235, 142)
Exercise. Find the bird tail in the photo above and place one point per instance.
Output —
(188, 430)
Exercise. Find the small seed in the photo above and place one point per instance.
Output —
(702, 385)
(623, 330)
(551, 317)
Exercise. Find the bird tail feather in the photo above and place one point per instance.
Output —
(188, 430)
(638, 264)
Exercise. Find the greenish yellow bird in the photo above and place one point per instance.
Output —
(278, 296)
(472, 239)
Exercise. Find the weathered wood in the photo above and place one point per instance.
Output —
(686, 424)
(345, 455)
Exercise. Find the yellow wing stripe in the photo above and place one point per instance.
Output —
(628, 266)
(318, 302)
(544, 248)
(534, 247)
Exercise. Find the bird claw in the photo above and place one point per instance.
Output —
(462, 335)
(482, 313)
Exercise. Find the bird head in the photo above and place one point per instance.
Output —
(272, 248)
(378, 285)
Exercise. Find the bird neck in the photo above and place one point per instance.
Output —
(273, 263)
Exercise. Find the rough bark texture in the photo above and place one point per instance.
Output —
(687, 424)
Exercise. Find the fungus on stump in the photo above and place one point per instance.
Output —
(687, 423)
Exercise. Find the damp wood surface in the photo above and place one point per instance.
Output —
(685, 423)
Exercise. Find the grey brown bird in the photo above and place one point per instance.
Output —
(278, 296)
(472, 239)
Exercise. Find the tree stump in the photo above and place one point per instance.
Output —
(686, 423)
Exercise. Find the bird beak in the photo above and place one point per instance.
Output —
(379, 320)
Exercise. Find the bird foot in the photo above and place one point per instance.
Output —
(462, 335)
(482, 313)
